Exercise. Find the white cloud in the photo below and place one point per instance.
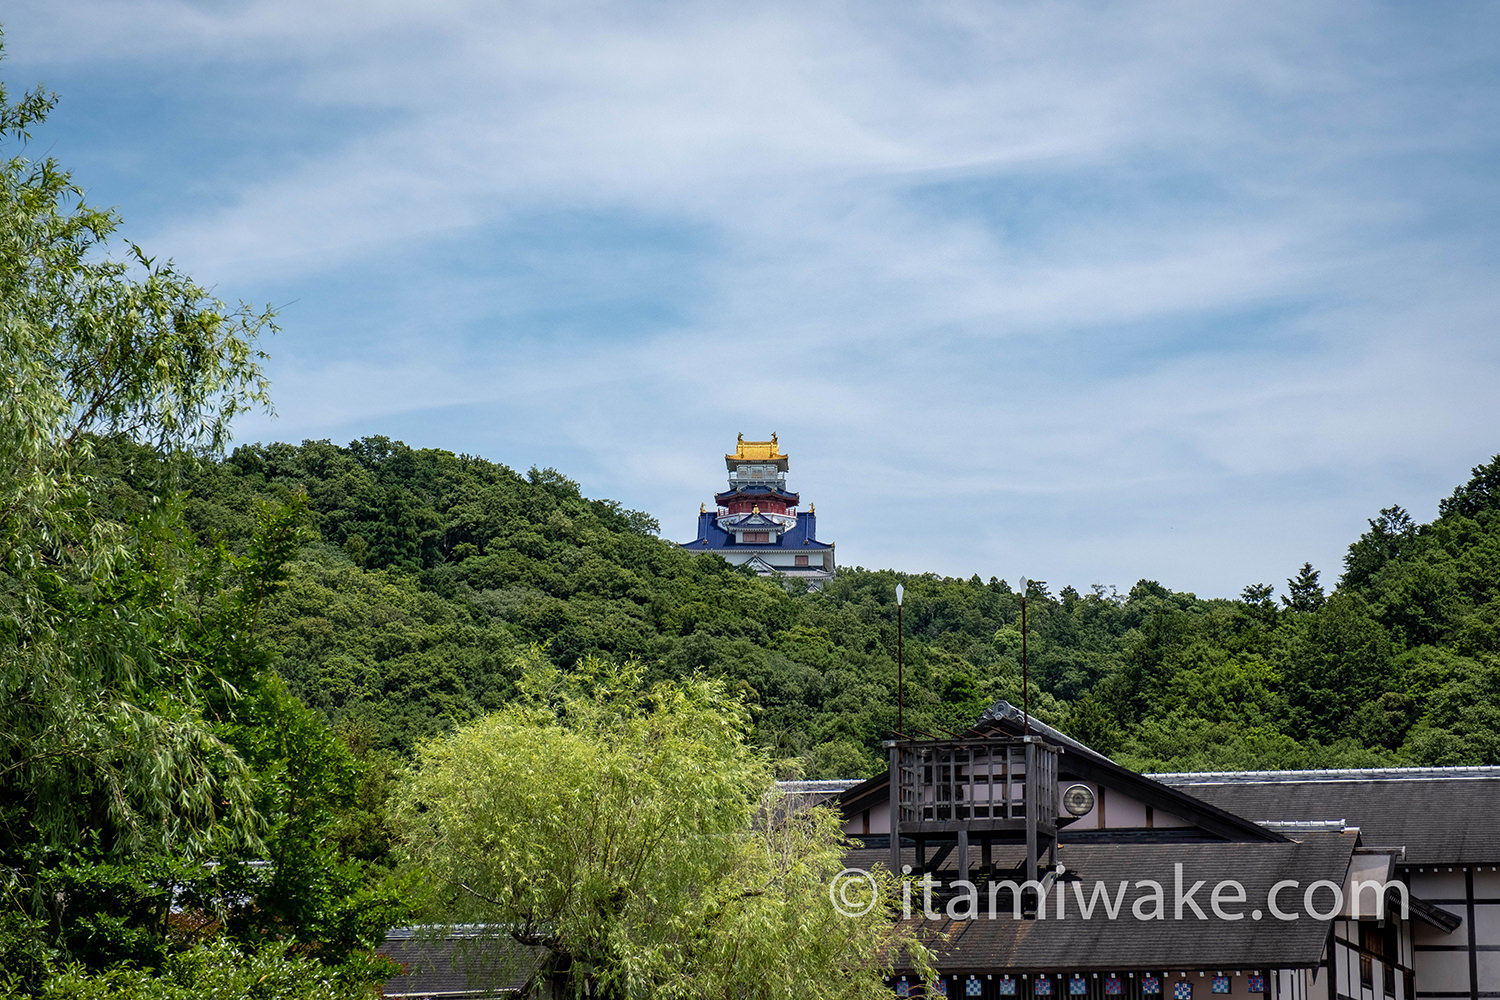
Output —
(1179, 261)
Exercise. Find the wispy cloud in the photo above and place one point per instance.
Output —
(1172, 290)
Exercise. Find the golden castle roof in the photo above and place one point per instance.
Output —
(756, 451)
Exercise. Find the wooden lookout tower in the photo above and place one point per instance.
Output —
(950, 794)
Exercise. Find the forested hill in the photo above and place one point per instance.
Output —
(431, 575)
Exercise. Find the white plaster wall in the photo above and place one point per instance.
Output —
(1486, 924)
(1489, 970)
(1442, 971)
(1424, 935)
(1290, 984)
(1123, 813)
(879, 821)
(1435, 884)
(1119, 811)
(1318, 984)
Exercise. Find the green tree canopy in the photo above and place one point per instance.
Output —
(148, 755)
(93, 696)
(102, 743)
(1304, 593)
(628, 831)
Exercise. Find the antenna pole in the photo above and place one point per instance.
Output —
(900, 669)
(900, 678)
(1025, 673)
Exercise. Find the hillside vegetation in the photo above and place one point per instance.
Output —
(430, 575)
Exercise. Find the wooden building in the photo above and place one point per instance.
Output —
(1379, 884)
(1329, 885)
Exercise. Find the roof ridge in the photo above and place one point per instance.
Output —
(1325, 774)
(1307, 825)
(806, 784)
(1004, 711)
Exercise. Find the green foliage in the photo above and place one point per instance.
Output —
(1338, 659)
(304, 886)
(519, 560)
(99, 732)
(135, 696)
(105, 756)
(216, 969)
(1303, 592)
(1479, 495)
(406, 648)
(626, 830)
(1390, 534)
(212, 670)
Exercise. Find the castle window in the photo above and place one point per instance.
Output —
(802, 560)
(757, 536)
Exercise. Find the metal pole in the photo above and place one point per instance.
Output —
(1025, 673)
(895, 780)
(1031, 793)
(900, 677)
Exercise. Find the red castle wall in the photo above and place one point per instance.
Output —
(766, 506)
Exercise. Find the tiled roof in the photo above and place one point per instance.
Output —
(457, 963)
(715, 537)
(1442, 816)
(756, 451)
(815, 792)
(748, 492)
(1074, 944)
(1009, 718)
(818, 784)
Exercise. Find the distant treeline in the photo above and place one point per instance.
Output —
(431, 573)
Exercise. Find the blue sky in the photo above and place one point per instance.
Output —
(1087, 292)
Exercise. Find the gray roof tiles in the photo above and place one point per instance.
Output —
(1442, 816)
(459, 962)
(1074, 944)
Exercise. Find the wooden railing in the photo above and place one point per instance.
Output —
(943, 786)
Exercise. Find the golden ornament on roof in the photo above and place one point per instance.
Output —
(757, 451)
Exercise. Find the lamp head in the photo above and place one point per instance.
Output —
(900, 592)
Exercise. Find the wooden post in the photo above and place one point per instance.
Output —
(1031, 807)
(963, 854)
(895, 810)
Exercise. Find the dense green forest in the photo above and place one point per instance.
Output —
(429, 575)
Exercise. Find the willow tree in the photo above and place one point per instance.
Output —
(102, 741)
(627, 837)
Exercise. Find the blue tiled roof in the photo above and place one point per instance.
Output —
(757, 493)
(757, 521)
(794, 538)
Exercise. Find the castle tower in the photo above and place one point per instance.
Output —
(756, 521)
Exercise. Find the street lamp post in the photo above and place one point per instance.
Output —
(900, 669)
(1025, 675)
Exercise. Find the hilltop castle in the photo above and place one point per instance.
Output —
(756, 521)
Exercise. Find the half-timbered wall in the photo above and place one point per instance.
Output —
(1113, 810)
(1465, 963)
